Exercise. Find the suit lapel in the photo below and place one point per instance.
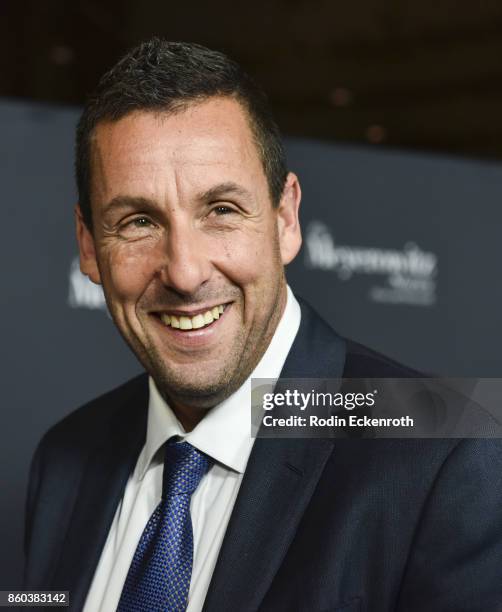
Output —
(279, 481)
(99, 493)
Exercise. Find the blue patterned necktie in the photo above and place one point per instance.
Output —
(161, 569)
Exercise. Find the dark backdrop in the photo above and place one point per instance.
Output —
(401, 252)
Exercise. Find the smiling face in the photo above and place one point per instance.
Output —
(187, 245)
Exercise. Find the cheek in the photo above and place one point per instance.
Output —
(251, 260)
(129, 270)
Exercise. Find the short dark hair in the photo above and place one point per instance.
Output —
(164, 76)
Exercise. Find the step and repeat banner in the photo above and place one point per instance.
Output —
(401, 252)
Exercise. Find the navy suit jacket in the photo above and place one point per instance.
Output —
(319, 524)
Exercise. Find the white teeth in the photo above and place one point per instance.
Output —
(208, 317)
(196, 322)
(185, 323)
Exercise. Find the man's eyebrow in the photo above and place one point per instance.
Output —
(138, 202)
(222, 190)
(124, 201)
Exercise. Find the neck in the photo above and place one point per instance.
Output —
(188, 416)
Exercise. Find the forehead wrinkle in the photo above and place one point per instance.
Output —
(207, 151)
(233, 159)
(232, 165)
(190, 179)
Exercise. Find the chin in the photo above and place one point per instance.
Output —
(201, 393)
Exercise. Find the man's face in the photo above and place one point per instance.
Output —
(183, 229)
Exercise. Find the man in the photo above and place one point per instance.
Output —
(154, 497)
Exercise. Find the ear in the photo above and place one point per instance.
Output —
(288, 223)
(87, 249)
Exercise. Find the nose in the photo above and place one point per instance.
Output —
(186, 262)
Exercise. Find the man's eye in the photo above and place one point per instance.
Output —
(139, 222)
(136, 226)
(223, 210)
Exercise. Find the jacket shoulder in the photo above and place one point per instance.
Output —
(85, 424)
(112, 421)
(364, 362)
(332, 355)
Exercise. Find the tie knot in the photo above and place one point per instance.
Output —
(184, 467)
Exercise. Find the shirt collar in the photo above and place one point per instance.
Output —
(225, 432)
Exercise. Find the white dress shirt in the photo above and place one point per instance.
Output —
(225, 435)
